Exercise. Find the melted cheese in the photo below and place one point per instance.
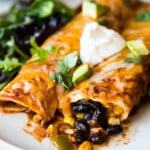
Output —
(109, 69)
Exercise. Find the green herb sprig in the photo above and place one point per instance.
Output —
(42, 53)
(65, 69)
(143, 16)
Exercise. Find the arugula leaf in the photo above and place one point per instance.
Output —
(143, 16)
(41, 9)
(65, 67)
(13, 48)
(8, 67)
(9, 76)
(42, 53)
(11, 57)
(9, 64)
(2, 31)
(134, 59)
(63, 9)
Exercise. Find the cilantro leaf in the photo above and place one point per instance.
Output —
(36, 50)
(64, 79)
(9, 64)
(65, 67)
(71, 60)
(67, 63)
(143, 16)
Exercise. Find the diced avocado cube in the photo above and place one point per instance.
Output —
(81, 73)
(90, 9)
(137, 47)
(62, 143)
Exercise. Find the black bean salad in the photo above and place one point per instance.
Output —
(26, 19)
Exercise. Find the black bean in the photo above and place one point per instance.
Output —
(97, 136)
(97, 115)
(102, 123)
(80, 136)
(3, 77)
(39, 29)
(57, 20)
(99, 106)
(82, 106)
(114, 129)
(23, 33)
(81, 125)
(87, 117)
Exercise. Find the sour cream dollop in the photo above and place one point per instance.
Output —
(98, 43)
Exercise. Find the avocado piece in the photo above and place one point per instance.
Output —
(81, 73)
(137, 47)
(90, 8)
(62, 143)
(93, 9)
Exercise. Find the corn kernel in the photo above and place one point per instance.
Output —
(86, 146)
(79, 115)
(52, 131)
(118, 110)
(69, 120)
(37, 118)
(113, 121)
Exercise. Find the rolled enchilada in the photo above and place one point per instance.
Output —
(102, 102)
(32, 89)
(105, 99)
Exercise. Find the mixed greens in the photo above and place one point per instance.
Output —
(37, 20)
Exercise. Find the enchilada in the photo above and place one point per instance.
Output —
(93, 92)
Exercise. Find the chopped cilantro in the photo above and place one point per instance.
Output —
(65, 67)
(64, 79)
(40, 52)
(69, 62)
(134, 59)
(36, 50)
(143, 16)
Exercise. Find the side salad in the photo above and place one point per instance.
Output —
(34, 18)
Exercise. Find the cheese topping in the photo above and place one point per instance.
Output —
(98, 43)
(109, 69)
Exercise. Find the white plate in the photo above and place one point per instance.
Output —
(13, 137)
